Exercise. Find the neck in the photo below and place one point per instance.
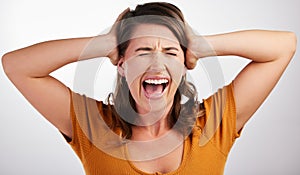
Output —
(150, 132)
(153, 126)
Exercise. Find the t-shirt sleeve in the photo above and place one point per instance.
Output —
(79, 142)
(220, 125)
(90, 119)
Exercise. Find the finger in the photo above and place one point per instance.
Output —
(122, 14)
(114, 61)
(191, 64)
(191, 60)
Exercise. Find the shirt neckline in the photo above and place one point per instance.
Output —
(186, 150)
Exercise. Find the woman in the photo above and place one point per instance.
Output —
(152, 46)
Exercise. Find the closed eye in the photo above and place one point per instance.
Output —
(172, 51)
(172, 54)
(143, 54)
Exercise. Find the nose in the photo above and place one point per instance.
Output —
(157, 64)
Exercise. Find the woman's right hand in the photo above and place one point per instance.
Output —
(113, 55)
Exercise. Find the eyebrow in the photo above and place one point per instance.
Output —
(143, 49)
(150, 49)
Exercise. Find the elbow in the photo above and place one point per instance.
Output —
(292, 44)
(287, 48)
(6, 63)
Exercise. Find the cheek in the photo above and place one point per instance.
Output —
(176, 69)
(134, 68)
(134, 88)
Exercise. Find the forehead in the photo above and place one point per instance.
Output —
(149, 33)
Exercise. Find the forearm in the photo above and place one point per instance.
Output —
(256, 45)
(41, 59)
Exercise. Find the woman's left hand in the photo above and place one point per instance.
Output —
(191, 56)
(198, 47)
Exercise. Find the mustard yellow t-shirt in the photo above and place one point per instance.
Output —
(205, 149)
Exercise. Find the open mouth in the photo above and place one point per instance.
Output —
(155, 87)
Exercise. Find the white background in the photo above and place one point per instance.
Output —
(29, 144)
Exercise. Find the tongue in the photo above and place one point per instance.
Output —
(153, 89)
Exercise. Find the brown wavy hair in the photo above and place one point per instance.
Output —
(183, 115)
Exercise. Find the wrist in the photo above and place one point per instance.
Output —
(206, 47)
(202, 46)
(98, 46)
(109, 44)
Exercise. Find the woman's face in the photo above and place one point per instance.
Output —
(153, 66)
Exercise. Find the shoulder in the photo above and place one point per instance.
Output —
(219, 121)
(87, 107)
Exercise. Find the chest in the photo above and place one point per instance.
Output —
(186, 159)
(167, 163)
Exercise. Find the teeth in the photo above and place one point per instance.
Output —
(155, 81)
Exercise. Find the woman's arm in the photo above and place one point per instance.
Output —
(269, 52)
(29, 70)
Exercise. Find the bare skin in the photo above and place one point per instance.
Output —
(269, 51)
